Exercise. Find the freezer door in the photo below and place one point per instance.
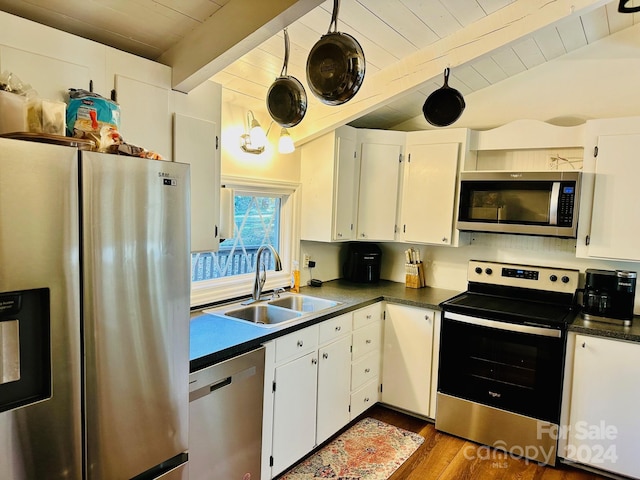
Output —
(136, 311)
(39, 312)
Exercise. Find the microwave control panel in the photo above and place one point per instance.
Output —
(566, 203)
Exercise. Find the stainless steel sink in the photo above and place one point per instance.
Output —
(263, 314)
(303, 303)
(287, 309)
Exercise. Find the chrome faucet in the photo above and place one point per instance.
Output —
(261, 276)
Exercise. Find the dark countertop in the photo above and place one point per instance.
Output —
(215, 338)
(600, 329)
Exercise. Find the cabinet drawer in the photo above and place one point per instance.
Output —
(365, 369)
(367, 315)
(335, 327)
(367, 339)
(363, 398)
(296, 343)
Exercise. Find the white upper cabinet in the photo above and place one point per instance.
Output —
(380, 167)
(145, 120)
(196, 143)
(329, 175)
(609, 225)
(430, 186)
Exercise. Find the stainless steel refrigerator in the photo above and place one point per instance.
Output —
(94, 315)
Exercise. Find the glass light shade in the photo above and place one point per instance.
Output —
(258, 137)
(285, 143)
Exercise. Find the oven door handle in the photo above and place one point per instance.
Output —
(511, 327)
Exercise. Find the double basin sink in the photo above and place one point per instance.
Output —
(272, 313)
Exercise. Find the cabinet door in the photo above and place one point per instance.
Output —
(615, 224)
(329, 173)
(334, 383)
(294, 411)
(604, 424)
(144, 115)
(406, 370)
(346, 189)
(196, 143)
(378, 196)
(429, 191)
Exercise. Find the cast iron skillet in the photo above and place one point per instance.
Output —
(286, 98)
(445, 105)
(336, 65)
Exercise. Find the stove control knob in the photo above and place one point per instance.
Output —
(565, 279)
(478, 270)
(553, 278)
(488, 271)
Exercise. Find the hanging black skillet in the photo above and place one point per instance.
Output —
(286, 98)
(336, 65)
(445, 105)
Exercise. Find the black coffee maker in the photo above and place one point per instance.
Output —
(609, 296)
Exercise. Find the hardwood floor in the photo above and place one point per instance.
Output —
(445, 457)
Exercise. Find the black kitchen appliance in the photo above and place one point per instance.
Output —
(609, 296)
(363, 263)
(502, 349)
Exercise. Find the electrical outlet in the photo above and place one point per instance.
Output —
(305, 262)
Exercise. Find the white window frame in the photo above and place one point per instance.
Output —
(218, 290)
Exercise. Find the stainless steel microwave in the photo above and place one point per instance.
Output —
(530, 203)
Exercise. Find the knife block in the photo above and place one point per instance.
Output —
(414, 277)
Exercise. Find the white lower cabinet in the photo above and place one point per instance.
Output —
(333, 388)
(407, 351)
(294, 402)
(604, 425)
(366, 352)
(311, 389)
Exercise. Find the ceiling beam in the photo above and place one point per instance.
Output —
(235, 29)
(505, 26)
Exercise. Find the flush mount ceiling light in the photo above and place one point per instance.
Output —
(255, 139)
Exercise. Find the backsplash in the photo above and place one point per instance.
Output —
(446, 267)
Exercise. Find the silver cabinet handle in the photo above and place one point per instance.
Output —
(366, 399)
(338, 328)
(314, 361)
(367, 370)
(339, 235)
(367, 342)
(369, 317)
(426, 317)
(584, 344)
(325, 355)
(362, 235)
(300, 343)
(444, 239)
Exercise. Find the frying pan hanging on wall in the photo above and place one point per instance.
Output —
(445, 105)
(286, 98)
(336, 65)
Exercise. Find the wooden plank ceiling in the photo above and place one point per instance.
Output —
(407, 43)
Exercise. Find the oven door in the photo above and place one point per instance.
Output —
(512, 367)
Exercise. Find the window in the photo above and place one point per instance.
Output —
(256, 223)
(264, 214)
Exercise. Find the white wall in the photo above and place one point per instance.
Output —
(269, 165)
(599, 80)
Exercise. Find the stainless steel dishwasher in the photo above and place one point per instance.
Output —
(225, 419)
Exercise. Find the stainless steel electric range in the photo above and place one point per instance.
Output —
(502, 351)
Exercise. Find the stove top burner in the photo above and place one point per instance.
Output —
(510, 310)
(524, 294)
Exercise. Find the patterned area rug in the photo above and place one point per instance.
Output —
(370, 450)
